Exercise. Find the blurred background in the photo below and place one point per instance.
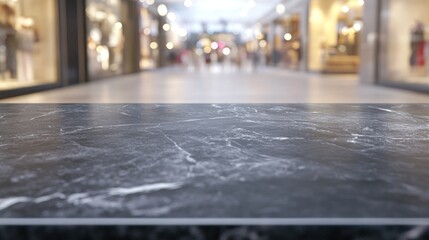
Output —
(224, 50)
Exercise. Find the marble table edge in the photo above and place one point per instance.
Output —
(222, 103)
(218, 221)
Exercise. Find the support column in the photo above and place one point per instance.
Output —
(162, 41)
(369, 45)
(304, 29)
(270, 42)
(131, 20)
(72, 44)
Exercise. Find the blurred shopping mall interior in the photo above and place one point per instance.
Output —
(298, 50)
(214, 119)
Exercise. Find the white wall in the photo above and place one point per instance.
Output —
(368, 53)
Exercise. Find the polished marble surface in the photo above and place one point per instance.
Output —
(214, 161)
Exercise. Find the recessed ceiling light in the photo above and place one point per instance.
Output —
(226, 51)
(166, 27)
(214, 45)
(169, 45)
(153, 45)
(280, 8)
(345, 9)
(162, 10)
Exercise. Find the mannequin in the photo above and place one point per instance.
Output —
(3, 34)
(26, 36)
(7, 42)
(418, 45)
(427, 57)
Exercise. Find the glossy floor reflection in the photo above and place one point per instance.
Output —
(217, 85)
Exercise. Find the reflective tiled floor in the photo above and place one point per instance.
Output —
(268, 85)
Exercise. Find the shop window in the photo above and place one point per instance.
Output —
(105, 38)
(405, 42)
(335, 34)
(149, 49)
(28, 43)
(287, 42)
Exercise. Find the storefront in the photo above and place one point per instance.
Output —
(149, 49)
(335, 35)
(287, 42)
(404, 46)
(105, 38)
(28, 44)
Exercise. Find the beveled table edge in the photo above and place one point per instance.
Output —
(216, 221)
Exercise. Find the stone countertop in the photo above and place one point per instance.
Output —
(204, 161)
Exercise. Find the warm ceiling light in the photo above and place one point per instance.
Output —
(169, 45)
(150, 2)
(118, 25)
(214, 45)
(287, 36)
(207, 49)
(345, 9)
(357, 26)
(162, 10)
(153, 45)
(280, 8)
(166, 27)
(226, 51)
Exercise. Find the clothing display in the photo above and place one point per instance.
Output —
(149, 53)
(28, 59)
(7, 52)
(26, 37)
(418, 46)
(404, 44)
(3, 58)
(17, 38)
(105, 38)
(25, 66)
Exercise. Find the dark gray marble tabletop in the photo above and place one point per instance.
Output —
(214, 161)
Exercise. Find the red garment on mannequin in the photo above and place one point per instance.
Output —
(420, 54)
